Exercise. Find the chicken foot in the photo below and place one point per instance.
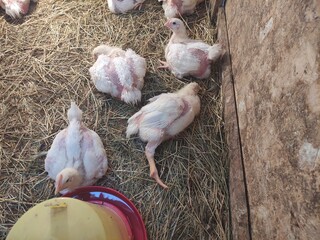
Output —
(164, 65)
(150, 150)
(138, 6)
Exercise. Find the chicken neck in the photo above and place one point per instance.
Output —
(179, 36)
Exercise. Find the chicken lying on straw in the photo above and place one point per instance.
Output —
(77, 156)
(164, 117)
(119, 73)
(188, 57)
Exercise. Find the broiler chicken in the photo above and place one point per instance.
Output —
(119, 73)
(185, 56)
(176, 8)
(16, 8)
(76, 157)
(123, 6)
(164, 117)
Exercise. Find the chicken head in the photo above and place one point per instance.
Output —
(68, 178)
(177, 27)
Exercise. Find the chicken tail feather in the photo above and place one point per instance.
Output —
(74, 112)
(132, 129)
(131, 96)
(13, 9)
(215, 52)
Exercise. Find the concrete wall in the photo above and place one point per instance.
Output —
(274, 50)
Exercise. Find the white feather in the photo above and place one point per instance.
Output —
(80, 148)
(186, 56)
(156, 115)
(123, 6)
(119, 73)
(171, 9)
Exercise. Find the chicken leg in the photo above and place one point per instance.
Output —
(138, 6)
(164, 65)
(150, 150)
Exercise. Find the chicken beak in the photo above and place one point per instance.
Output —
(56, 191)
(167, 24)
(58, 185)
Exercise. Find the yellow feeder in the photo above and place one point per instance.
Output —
(69, 218)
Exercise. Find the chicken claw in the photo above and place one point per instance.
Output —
(150, 150)
(164, 65)
(138, 6)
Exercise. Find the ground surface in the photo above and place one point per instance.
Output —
(44, 61)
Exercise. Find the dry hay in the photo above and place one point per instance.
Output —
(44, 61)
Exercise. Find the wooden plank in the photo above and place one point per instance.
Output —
(275, 46)
(214, 6)
(238, 199)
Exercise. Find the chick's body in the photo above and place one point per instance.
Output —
(119, 73)
(164, 117)
(123, 6)
(175, 8)
(185, 56)
(78, 150)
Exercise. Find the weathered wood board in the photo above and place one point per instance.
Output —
(237, 191)
(275, 53)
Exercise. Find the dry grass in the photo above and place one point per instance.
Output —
(44, 61)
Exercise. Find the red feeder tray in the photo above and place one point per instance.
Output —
(107, 196)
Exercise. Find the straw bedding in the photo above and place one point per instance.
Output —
(44, 62)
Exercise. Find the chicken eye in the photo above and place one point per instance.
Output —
(68, 180)
(174, 23)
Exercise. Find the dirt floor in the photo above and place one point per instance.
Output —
(44, 62)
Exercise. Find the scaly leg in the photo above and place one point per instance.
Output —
(150, 149)
(164, 64)
(138, 6)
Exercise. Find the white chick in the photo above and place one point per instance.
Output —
(176, 8)
(76, 157)
(185, 56)
(119, 73)
(123, 6)
(16, 8)
(164, 117)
